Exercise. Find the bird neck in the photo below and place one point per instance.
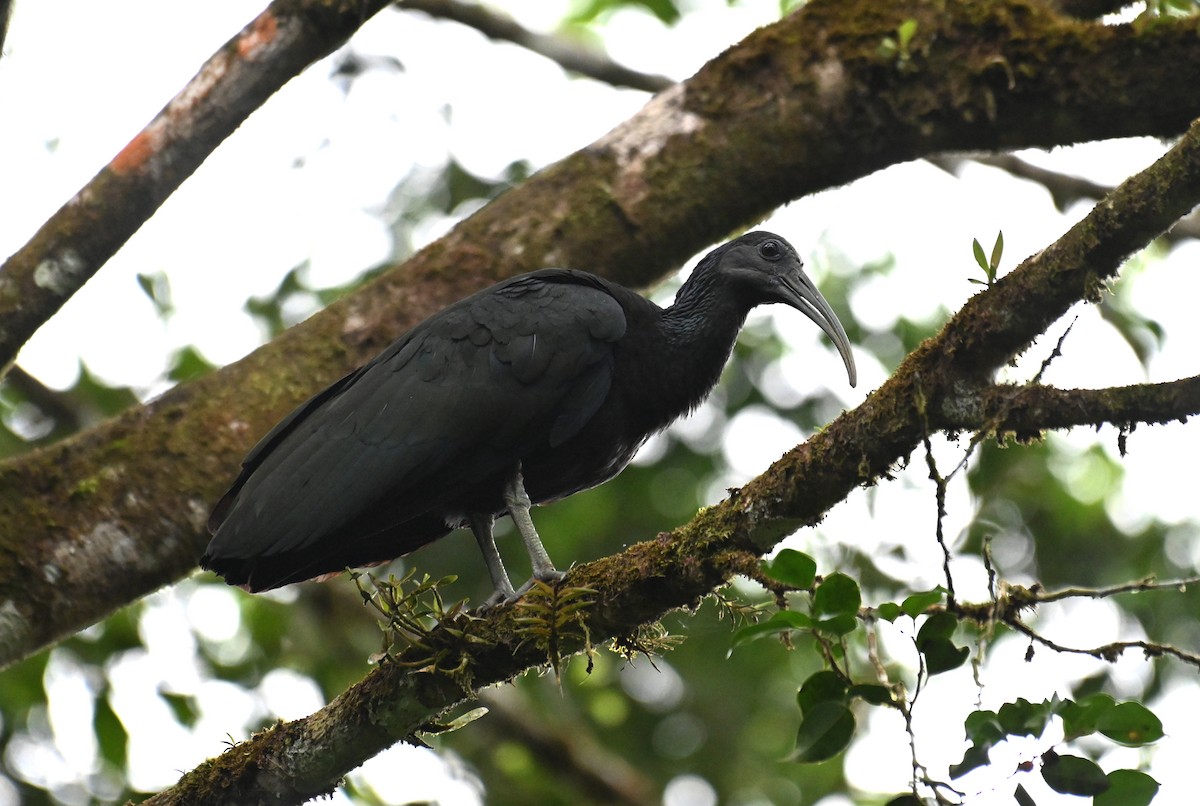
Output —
(699, 331)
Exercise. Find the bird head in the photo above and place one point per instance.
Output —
(764, 268)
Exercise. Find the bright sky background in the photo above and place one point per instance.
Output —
(305, 177)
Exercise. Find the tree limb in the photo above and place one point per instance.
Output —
(1107, 652)
(1027, 409)
(1008, 604)
(302, 759)
(1064, 189)
(572, 56)
(96, 521)
(86, 231)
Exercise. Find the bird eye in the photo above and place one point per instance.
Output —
(771, 250)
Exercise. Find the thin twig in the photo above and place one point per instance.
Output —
(1055, 353)
(939, 530)
(1064, 189)
(1006, 608)
(1147, 584)
(1107, 652)
(576, 57)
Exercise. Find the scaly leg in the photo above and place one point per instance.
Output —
(503, 591)
(517, 501)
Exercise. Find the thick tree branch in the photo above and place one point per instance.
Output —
(1078, 265)
(86, 231)
(678, 568)
(118, 511)
(1028, 409)
(573, 56)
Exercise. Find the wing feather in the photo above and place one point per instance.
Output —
(457, 400)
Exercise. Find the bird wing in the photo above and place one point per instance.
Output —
(458, 399)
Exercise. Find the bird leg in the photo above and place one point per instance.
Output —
(481, 526)
(517, 501)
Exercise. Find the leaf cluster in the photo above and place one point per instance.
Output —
(554, 617)
(414, 615)
(1128, 723)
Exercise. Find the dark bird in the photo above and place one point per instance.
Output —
(529, 391)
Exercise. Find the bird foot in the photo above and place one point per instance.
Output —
(501, 598)
(550, 577)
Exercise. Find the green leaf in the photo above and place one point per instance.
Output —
(157, 287)
(824, 686)
(111, 736)
(889, 611)
(109, 400)
(1143, 335)
(780, 622)
(997, 251)
(824, 732)
(837, 595)
(1022, 797)
(590, 11)
(188, 363)
(183, 706)
(1081, 717)
(918, 603)
(793, 568)
(463, 720)
(980, 258)
(1073, 775)
(1127, 788)
(941, 655)
(871, 693)
(838, 625)
(975, 756)
(1025, 718)
(939, 625)
(905, 32)
(983, 727)
(933, 641)
(1131, 724)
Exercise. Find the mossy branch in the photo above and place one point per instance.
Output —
(94, 522)
(678, 568)
(101, 519)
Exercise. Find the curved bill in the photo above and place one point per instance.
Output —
(799, 292)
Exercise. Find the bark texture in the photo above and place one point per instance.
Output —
(295, 761)
(813, 101)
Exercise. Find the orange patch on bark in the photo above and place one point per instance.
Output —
(258, 35)
(139, 150)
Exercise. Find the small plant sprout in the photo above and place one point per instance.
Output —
(989, 265)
